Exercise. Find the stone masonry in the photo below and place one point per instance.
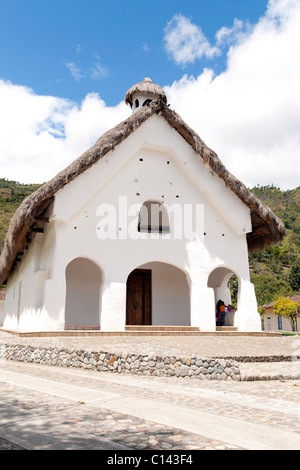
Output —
(124, 362)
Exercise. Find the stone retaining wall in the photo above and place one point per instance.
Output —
(151, 364)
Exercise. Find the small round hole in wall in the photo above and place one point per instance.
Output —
(141, 159)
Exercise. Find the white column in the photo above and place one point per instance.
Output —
(2, 306)
(247, 317)
(202, 307)
(113, 308)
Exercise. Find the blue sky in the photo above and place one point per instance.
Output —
(111, 45)
(230, 68)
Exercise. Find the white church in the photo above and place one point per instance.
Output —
(145, 229)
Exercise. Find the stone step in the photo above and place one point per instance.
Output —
(149, 328)
(226, 328)
(82, 327)
(97, 332)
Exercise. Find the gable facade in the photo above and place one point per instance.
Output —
(97, 266)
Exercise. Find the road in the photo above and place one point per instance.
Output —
(53, 408)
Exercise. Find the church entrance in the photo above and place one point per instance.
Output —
(138, 299)
(158, 294)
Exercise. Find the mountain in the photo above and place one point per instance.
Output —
(271, 269)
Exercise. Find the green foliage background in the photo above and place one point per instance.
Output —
(271, 268)
(274, 271)
(11, 196)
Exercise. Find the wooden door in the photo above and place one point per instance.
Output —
(138, 300)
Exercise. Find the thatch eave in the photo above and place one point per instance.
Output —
(267, 227)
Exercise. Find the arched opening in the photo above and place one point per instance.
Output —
(153, 218)
(224, 282)
(158, 294)
(83, 283)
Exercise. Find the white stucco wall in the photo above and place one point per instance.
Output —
(153, 163)
(271, 323)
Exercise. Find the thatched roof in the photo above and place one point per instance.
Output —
(266, 227)
(147, 87)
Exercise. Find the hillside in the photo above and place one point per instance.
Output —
(270, 269)
(11, 196)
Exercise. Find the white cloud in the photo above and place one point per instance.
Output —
(185, 42)
(75, 71)
(250, 113)
(98, 71)
(95, 72)
(145, 47)
(41, 135)
(236, 33)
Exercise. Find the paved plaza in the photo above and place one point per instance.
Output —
(51, 408)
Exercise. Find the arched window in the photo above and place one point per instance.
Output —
(137, 103)
(153, 218)
(147, 102)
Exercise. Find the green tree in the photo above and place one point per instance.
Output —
(294, 277)
(268, 287)
(233, 287)
(287, 308)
